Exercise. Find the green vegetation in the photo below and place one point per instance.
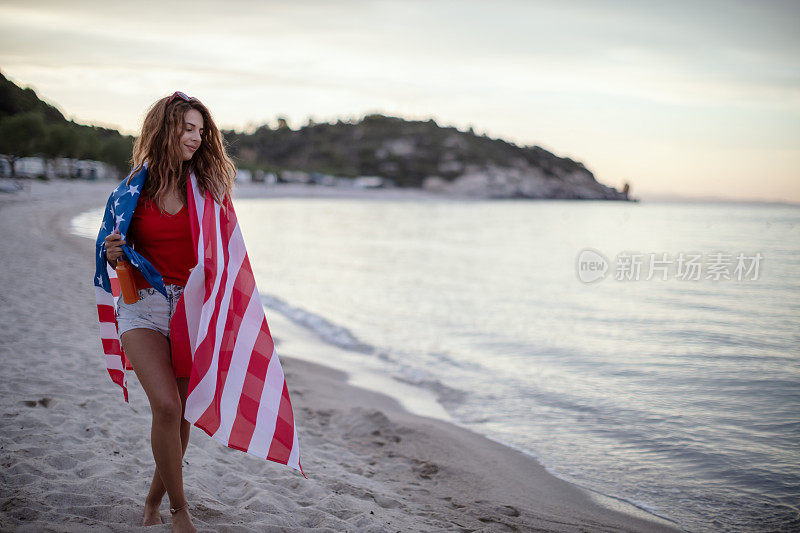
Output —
(405, 151)
(30, 127)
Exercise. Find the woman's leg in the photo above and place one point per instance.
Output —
(149, 353)
(157, 488)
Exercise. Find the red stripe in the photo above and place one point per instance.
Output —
(112, 346)
(264, 344)
(115, 288)
(118, 378)
(210, 246)
(106, 313)
(180, 347)
(283, 439)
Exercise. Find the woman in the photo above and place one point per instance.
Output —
(178, 137)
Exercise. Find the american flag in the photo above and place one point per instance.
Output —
(237, 391)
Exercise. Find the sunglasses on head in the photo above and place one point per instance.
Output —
(182, 96)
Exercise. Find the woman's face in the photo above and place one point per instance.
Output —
(190, 136)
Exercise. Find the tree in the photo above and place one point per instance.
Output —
(60, 141)
(117, 151)
(21, 136)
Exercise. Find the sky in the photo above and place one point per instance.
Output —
(680, 98)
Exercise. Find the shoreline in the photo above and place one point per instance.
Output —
(372, 463)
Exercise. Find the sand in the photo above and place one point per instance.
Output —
(76, 457)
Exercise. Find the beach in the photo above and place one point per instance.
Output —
(76, 457)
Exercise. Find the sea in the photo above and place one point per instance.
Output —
(648, 352)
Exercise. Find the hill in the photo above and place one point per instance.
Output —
(30, 126)
(418, 154)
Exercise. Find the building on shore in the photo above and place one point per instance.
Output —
(60, 167)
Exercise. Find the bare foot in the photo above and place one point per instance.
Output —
(182, 522)
(152, 516)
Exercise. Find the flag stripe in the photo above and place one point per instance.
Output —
(268, 407)
(113, 363)
(282, 439)
(237, 373)
(108, 330)
(106, 313)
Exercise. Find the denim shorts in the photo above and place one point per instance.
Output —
(152, 311)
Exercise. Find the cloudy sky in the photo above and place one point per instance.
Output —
(687, 98)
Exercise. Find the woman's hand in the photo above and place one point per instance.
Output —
(114, 243)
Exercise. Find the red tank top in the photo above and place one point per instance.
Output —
(163, 239)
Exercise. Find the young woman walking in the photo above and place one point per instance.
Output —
(178, 137)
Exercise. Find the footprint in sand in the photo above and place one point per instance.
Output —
(44, 402)
(425, 469)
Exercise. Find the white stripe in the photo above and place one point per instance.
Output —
(193, 303)
(268, 408)
(102, 296)
(112, 274)
(240, 361)
(114, 362)
(108, 331)
(294, 455)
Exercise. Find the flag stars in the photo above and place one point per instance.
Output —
(133, 189)
(120, 218)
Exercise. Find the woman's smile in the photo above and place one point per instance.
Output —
(191, 137)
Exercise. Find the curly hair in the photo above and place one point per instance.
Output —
(159, 146)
